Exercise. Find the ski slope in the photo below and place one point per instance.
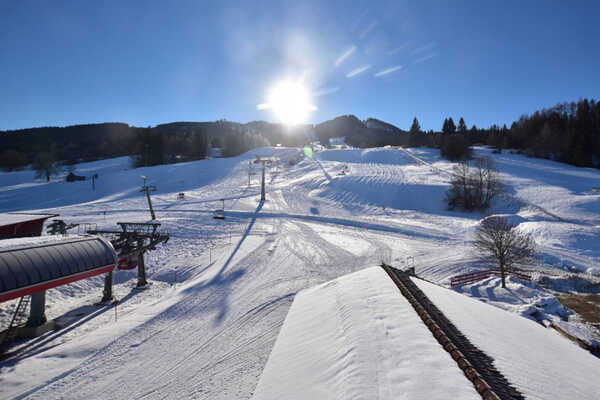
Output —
(221, 289)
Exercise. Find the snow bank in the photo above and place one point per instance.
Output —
(36, 240)
(357, 337)
(365, 156)
(538, 361)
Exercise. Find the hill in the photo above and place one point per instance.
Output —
(176, 141)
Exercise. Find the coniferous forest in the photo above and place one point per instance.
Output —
(568, 132)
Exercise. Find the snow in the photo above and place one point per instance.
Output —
(220, 290)
(357, 337)
(15, 218)
(538, 361)
(35, 241)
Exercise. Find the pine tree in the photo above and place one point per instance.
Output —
(451, 125)
(462, 127)
(449, 128)
(415, 128)
(415, 135)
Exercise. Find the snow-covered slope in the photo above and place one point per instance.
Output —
(221, 289)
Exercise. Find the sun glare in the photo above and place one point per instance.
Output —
(290, 101)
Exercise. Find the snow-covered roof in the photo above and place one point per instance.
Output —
(36, 240)
(358, 337)
(16, 218)
(538, 361)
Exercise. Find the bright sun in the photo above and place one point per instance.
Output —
(290, 102)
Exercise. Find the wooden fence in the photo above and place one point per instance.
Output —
(481, 275)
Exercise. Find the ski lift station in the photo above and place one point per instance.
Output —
(30, 266)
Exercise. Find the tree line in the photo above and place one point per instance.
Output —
(48, 148)
(567, 132)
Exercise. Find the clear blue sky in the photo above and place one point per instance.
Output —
(146, 62)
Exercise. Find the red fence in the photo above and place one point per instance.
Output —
(481, 275)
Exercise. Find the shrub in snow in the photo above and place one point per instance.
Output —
(455, 147)
(474, 187)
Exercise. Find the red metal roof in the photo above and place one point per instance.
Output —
(13, 225)
(17, 218)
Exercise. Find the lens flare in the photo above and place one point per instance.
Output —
(290, 101)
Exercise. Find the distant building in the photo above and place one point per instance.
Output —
(14, 225)
(216, 152)
(337, 141)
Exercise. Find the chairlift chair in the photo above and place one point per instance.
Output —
(220, 213)
(127, 263)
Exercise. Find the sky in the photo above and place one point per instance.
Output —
(150, 62)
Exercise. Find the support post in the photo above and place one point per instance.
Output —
(149, 202)
(141, 267)
(107, 294)
(37, 312)
(262, 188)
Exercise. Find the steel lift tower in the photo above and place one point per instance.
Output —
(264, 161)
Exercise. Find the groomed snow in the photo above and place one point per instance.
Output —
(357, 337)
(15, 218)
(538, 361)
(220, 290)
(36, 240)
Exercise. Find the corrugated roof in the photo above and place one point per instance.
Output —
(51, 264)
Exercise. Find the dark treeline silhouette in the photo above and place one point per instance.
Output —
(369, 133)
(166, 143)
(454, 142)
(70, 144)
(568, 132)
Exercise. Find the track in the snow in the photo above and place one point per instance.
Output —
(476, 365)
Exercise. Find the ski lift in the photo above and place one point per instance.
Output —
(220, 213)
(127, 263)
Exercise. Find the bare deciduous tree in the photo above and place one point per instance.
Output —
(474, 187)
(45, 165)
(497, 239)
(487, 182)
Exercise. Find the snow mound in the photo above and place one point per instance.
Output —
(365, 156)
(512, 219)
